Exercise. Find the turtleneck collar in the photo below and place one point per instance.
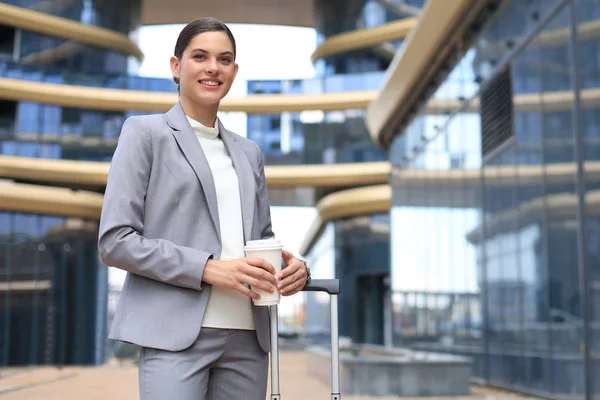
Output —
(204, 131)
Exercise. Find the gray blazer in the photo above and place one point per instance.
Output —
(160, 223)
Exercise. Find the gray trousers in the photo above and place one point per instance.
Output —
(222, 364)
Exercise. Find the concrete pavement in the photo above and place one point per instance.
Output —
(119, 382)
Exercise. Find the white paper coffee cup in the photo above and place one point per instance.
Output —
(270, 250)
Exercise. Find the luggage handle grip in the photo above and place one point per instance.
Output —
(331, 286)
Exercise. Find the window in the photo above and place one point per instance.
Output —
(497, 112)
(275, 123)
(8, 111)
(7, 40)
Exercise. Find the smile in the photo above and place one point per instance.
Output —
(210, 83)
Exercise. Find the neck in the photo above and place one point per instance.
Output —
(206, 115)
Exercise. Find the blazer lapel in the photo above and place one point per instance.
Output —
(245, 178)
(192, 150)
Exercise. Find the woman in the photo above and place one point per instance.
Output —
(183, 196)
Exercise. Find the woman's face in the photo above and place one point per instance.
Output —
(206, 69)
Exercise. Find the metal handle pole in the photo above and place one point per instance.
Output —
(275, 395)
(335, 350)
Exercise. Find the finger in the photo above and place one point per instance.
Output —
(261, 263)
(258, 265)
(246, 290)
(288, 283)
(259, 284)
(294, 288)
(259, 274)
(287, 256)
(290, 270)
(289, 280)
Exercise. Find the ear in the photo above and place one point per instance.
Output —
(235, 70)
(175, 67)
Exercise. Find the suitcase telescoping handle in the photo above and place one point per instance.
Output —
(332, 287)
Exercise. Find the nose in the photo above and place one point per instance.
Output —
(212, 67)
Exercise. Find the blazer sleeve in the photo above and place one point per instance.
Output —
(264, 207)
(120, 240)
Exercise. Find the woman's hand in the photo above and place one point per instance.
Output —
(292, 278)
(237, 274)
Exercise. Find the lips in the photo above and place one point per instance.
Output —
(210, 82)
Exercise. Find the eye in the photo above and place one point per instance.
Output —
(226, 60)
(198, 57)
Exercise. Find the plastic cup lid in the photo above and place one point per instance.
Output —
(263, 243)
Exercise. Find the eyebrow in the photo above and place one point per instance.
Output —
(205, 51)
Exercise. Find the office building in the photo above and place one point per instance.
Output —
(492, 192)
(65, 91)
(449, 147)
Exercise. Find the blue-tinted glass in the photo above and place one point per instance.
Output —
(523, 230)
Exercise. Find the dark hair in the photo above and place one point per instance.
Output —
(195, 28)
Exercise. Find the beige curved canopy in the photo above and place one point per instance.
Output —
(37, 199)
(126, 100)
(94, 174)
(333, 175)
(51, 25)
(54, 171)
(357, 201)
(437, 20)
(347, 203)
(362, 38)
(272, 12)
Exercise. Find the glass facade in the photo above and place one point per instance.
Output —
(356, 251)
(493, 230)
(52, 291)
(121, 16)
(34, 49)
(315, 137)
(45, 130)
(333, 17)
(53, 287)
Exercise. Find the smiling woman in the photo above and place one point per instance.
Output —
(183, 197)
(204, 68)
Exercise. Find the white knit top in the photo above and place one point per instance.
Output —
(227, 308)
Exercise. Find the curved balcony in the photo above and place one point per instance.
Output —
(51, 25)
(347, 203)
(364, 38)
(93, 174)
(126, 100)
(37, 199)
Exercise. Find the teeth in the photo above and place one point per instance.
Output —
(210, 83)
